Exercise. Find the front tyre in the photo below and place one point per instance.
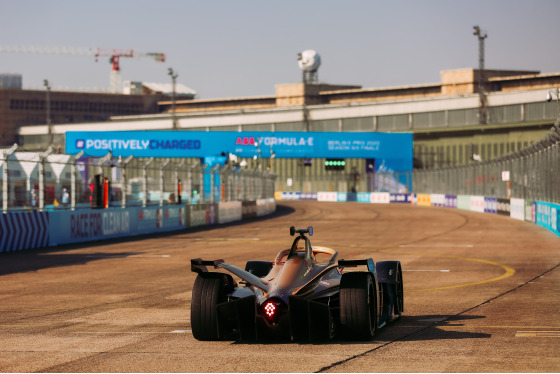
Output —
(358, 306)
(208, 291)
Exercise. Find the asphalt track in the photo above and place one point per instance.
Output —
(481, 295)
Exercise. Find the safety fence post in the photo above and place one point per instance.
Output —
(42, 157)
(73, 171)
(145, 181)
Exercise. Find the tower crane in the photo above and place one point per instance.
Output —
(115, 80)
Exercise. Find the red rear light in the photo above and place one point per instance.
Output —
(272, 309)
(269, 309)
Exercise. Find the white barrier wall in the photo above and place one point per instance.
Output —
(229, 211)
(380, 198)
(438, 199)
(327, 196)
(266, 206)
(517, 209)
(477, 204)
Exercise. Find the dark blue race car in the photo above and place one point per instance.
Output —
(304, 294)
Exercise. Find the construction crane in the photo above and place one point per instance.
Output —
(115, 80)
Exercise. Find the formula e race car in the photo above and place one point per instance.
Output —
(304, 294)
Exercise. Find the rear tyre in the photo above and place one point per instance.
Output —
(399, 294)
(208, 291)
(358, 306)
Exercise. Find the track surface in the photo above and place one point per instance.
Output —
(481, 295)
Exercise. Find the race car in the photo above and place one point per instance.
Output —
(304, 294)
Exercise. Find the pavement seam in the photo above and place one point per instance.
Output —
(341, 362)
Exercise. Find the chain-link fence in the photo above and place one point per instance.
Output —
(531, 173)
(351, 182)
(32, 180)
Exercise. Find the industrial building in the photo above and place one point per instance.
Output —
(20, 107)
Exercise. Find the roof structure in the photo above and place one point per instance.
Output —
(167, 88)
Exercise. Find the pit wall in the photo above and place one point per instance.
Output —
(541, 213)
(28, 230)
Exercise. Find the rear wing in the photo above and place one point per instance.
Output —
(198, 265)
(353, 263)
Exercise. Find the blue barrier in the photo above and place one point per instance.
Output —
(548, 216)
(67, 227)
(400, 198)
(27, 230)
(490, 205)
(308, 196)
(23, 230)
(363, 197)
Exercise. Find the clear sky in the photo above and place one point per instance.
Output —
(238, 48)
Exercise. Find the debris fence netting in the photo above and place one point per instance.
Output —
(33, 180)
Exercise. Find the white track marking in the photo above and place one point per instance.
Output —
(537, 334)
(440, 271)
(437, 319)
(223, 239)
(127, 256)
(435, 245)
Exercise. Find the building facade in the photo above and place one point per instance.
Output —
(443, 117)
(20, 108)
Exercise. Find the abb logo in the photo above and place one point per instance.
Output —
(243, 140)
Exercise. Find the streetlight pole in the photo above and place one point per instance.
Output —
(482, 109)
(173, 79)
(49, 124)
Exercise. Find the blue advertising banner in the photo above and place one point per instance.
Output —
(308, 196)
(491, 205)
(68, 226)
(450, 201)
(402, 198)
(548, 216)
(364, 197)
(395, 148)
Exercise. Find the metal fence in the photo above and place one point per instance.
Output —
(43, 181)
(531, 173)
(33, 180)
(392, 181)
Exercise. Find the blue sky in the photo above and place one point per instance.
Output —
(244, 48)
